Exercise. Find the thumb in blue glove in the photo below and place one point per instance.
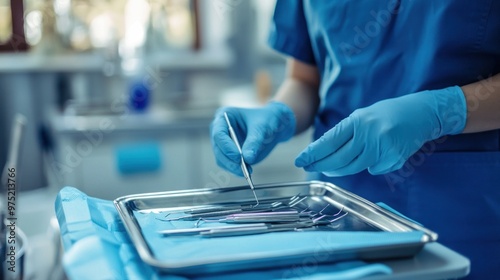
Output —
(383, 136)
(259, 130)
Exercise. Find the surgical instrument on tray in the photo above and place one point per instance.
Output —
(269, 227)
(197, 230)
(237, 229)
(323, 215)
(211, 212)
(261, 222)
(215, 214)
(255, 228)
(193, 217)
(276, 217)
(243, 164)
(261, 217)
(215, 232)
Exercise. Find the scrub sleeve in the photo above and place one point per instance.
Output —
(289, 34)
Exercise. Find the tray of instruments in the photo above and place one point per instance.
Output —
(218, 230)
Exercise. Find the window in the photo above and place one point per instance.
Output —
(5, 21)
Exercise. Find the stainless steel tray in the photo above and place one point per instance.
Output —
(363, 216)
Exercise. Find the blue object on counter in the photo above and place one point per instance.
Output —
(98, 247)
(139, 96)
(138, 158)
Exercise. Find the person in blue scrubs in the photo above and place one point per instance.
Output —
(404, 98)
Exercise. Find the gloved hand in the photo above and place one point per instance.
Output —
(383, 136)
(258, 131)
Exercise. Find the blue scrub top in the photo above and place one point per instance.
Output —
(370, 50)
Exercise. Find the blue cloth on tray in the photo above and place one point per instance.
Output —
(98, 247)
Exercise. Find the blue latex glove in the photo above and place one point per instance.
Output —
(383, 136)
(258, 131)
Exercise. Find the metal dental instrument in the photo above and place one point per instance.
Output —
(191, 217)
(243, 164)
(255, 230)
(272, 217)
(261, 217)
(196, 231)
(225, 213)
(217, 209)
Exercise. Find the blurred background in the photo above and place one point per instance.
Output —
(118, 97)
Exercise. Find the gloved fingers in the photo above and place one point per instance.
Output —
(358, 164)
(226, 163)
(327, 144)
(260, 140)
(384, 167)
(256, 152)
(219, 131)
(226, 153)
(342, 157)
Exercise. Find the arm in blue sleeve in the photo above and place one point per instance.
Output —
(289, 34)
